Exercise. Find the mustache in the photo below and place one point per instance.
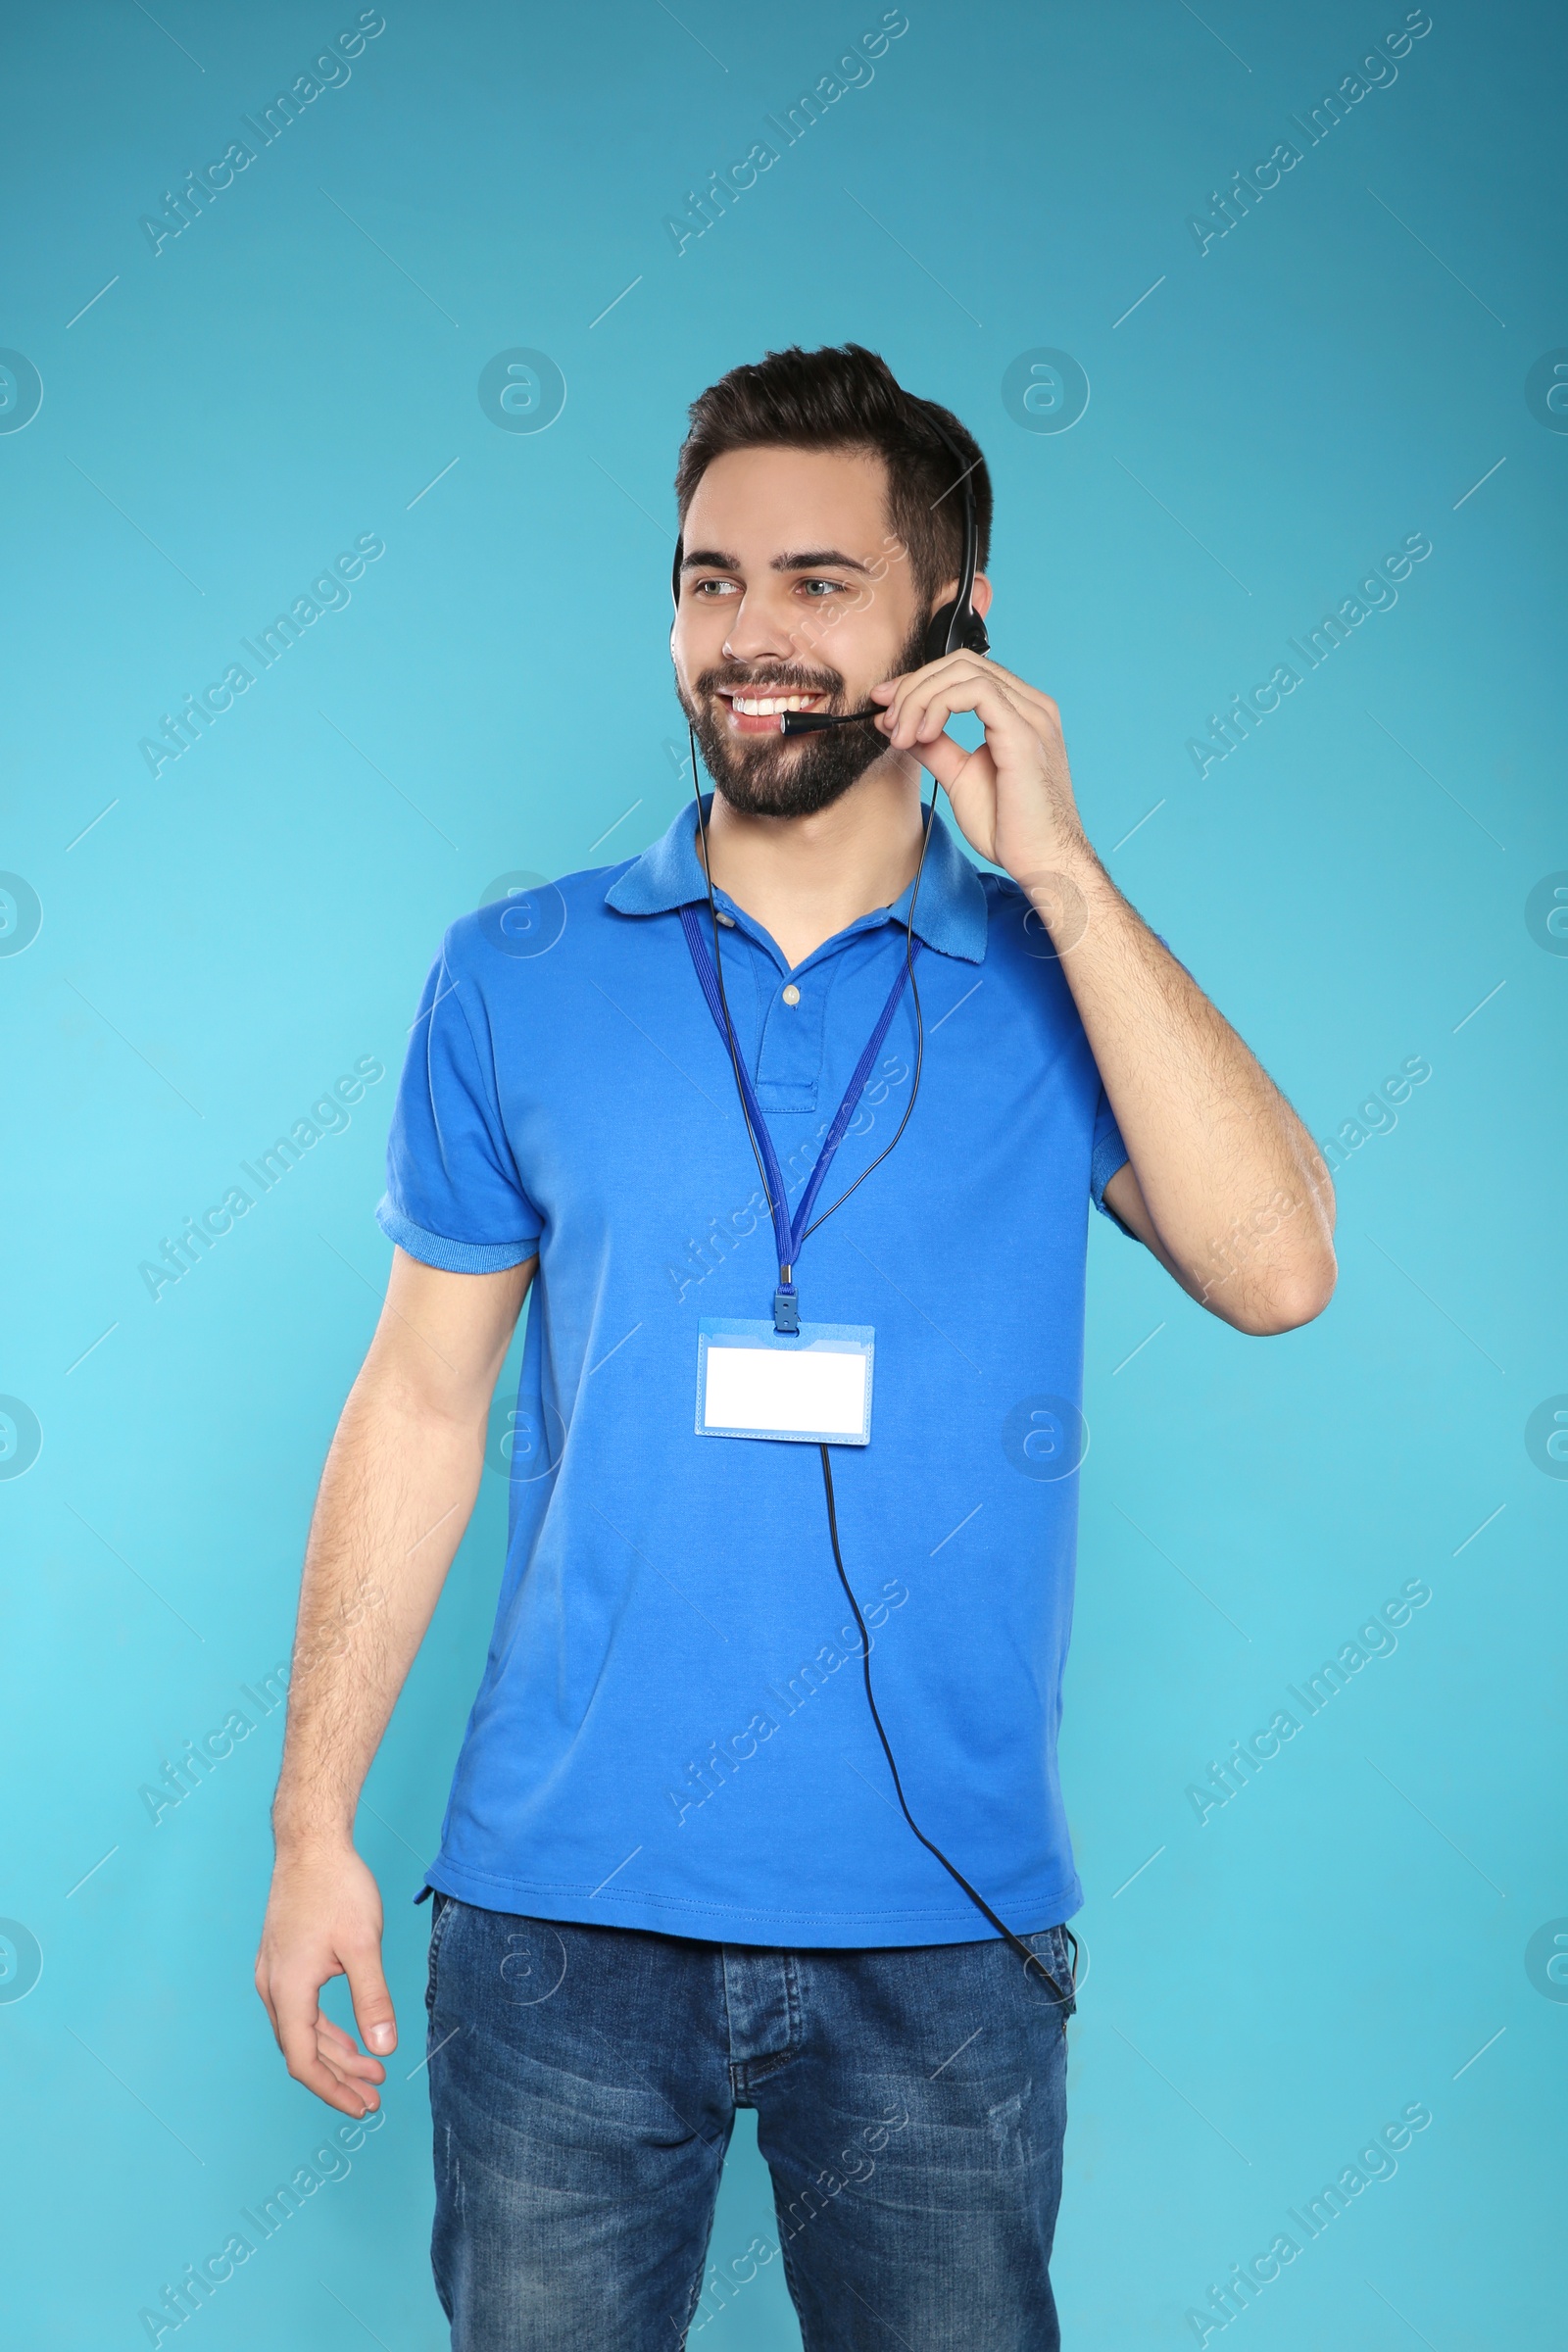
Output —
(789, 677)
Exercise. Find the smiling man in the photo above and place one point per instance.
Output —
(792, 1125)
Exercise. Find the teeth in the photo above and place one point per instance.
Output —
(768, 705)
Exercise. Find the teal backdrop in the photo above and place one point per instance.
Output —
(440, 316)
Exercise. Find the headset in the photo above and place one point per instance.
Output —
(954, 627)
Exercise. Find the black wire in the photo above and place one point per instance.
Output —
(1030, 1959)
(919, 1026)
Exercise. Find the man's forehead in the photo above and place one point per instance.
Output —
(806, 497)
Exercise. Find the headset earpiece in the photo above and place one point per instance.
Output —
(940, 638)
(956, 627)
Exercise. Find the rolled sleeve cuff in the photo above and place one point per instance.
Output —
(454, 1258)
(1110, 1154)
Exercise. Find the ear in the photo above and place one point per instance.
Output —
(979, 598)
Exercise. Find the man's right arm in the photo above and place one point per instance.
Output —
(396, 1494)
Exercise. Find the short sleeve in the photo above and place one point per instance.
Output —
(1107, 1154)
(453, 1198)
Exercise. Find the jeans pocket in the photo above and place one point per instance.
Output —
(1067, 1954)
(1055, 1950)
(441, 1909)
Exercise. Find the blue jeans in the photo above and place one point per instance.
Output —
(910, 2104)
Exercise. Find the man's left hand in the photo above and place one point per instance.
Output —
(1013, 796)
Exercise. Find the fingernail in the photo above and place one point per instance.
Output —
(381, 2038)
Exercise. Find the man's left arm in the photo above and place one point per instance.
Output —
(1223, 1184)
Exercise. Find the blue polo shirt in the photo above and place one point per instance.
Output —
(671, 1730)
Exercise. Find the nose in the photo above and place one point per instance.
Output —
(762, 629)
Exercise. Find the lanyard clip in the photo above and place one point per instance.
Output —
(787, 1309)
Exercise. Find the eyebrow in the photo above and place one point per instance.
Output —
(810, 558)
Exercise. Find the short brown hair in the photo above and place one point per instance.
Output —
(846, 397)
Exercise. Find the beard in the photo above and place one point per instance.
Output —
(779, 775)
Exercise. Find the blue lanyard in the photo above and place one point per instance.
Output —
(789, 1233)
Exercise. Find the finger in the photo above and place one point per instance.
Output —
(373, 2013)
(895, 686)
(923, 711)
(904, 679)
(343, 2054)
(298, 2019)
(1038, 710)
(888, 692)
(341, 2050)
(988, 666)
(935, 676)
(357, 2074)
(359, 2089)
(893, 716)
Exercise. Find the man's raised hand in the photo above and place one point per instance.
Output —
(1013, 796)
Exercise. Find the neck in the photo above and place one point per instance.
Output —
(805, 878)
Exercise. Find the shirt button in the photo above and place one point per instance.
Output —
(792, 994)
(728, 921)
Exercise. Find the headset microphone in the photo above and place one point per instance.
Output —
(810, 722)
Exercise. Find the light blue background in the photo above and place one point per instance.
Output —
(218, 946)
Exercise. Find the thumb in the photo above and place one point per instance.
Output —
(969, 780)
(955, 768)
(373, 2012)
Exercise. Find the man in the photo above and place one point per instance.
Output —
(684, 1868)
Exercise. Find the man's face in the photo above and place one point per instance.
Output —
(794, 594)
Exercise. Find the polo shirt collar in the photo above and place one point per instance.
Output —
(950, 916)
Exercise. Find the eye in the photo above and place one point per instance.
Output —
(832, 587)
(709, 590)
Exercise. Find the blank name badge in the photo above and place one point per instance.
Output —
(813, 1389)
